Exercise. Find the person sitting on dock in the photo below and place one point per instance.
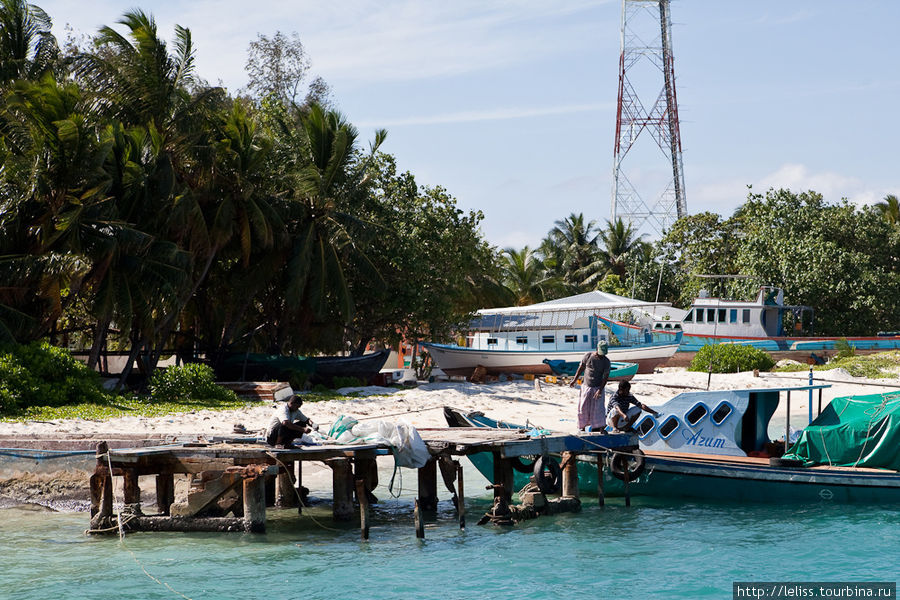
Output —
(288, 423)
(620, 416)
(591, 401)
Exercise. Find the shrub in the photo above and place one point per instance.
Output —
(192, 381)
(730, 358)
(844, 348)
(39, 374)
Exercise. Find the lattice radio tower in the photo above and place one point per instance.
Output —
(640, 66)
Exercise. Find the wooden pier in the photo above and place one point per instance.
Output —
(234, 479)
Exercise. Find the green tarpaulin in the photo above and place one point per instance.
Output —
(854, 431)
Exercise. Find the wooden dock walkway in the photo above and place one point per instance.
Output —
(235, 479)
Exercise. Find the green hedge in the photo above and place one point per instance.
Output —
(192, 381)
(43, 375)
(730, 358)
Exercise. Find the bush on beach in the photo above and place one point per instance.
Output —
(186, 382)
(730, 358)
(39, 374)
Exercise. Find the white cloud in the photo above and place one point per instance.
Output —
(724, 196)
(496, 114)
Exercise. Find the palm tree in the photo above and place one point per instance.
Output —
(890, 209)
(523, 273)
(618, 243)
(27, 48)
(574, 244)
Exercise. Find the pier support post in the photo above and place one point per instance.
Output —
(101, 488)
(132, 491)
(342, 483)
(420, 522)
(460, 495)
(428, 500)
(627, 490)
(287, 494)
(600, 498)
(503, 475)
(165, 492)
(363, 508)
(569, 475)
(255, 504)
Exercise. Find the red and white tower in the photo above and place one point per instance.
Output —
(661, 200)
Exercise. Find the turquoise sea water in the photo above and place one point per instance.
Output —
(654, 549)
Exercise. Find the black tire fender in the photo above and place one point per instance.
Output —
(633, 461)
(547, 475)
(521, 465)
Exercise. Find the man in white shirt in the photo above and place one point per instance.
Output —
(288, 423)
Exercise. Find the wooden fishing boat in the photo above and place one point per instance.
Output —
(714, 445)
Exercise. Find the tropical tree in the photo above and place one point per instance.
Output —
(890, 209)
(27, 48)
(573, 245)
(617, 243)
(523, 273)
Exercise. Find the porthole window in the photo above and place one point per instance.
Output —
(696, 414)
(722, 412)
(645, 426)
(668, 427)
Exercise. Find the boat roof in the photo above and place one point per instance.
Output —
(588, 301)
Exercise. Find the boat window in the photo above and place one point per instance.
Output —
(657, 326)
(746, 315)
(721, 413)
(645, 426)
(689, 318)
(548, 339)
(668, 426)
(492, 341)
(721, 315)
(699, 315)
(668, 326)
(732, 317)
(521, 339)
(571, 339)
(677, 326)
(696, 414)
(584, 338)
(710, 315)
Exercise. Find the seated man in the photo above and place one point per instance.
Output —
(288, 423)
(620, 416)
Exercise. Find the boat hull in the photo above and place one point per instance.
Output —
(457, 360)
(726, 481)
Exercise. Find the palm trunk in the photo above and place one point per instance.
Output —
(99, 341)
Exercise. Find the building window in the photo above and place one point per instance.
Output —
(548, 339)
(571, 339)
(521, 339)
(746, 315)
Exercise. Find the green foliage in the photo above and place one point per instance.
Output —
(844, 348)
(730, 358)
(39, 374)
(880, 365)
(185, 382)
(342, 382)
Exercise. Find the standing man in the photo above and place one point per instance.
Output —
(288, 423)
(591, 403)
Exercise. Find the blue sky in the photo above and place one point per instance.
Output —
(510, 105)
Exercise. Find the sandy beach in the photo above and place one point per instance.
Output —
(550, 406)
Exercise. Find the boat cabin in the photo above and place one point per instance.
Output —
(761, 318)
(719, 422)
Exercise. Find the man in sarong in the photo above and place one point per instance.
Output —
(591, 402)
